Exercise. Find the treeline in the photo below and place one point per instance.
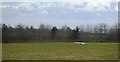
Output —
(99, 32)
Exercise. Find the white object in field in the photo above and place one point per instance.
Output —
(82, 43)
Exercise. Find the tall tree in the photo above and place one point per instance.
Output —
(75, 34)
(4, 33)
(54, 32)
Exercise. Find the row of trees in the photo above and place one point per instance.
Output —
(99, 32)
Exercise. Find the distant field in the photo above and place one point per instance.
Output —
(60, 51)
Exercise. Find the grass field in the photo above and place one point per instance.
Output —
(0, 51)
(60, 51)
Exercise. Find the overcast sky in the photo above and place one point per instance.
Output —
(59, 13)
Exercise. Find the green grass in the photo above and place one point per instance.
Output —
(0, 51)
(60, 51)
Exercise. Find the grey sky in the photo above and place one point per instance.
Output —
(59, 13)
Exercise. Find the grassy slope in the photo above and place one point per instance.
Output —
(60, 51)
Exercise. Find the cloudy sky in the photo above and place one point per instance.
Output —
(60, 13)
